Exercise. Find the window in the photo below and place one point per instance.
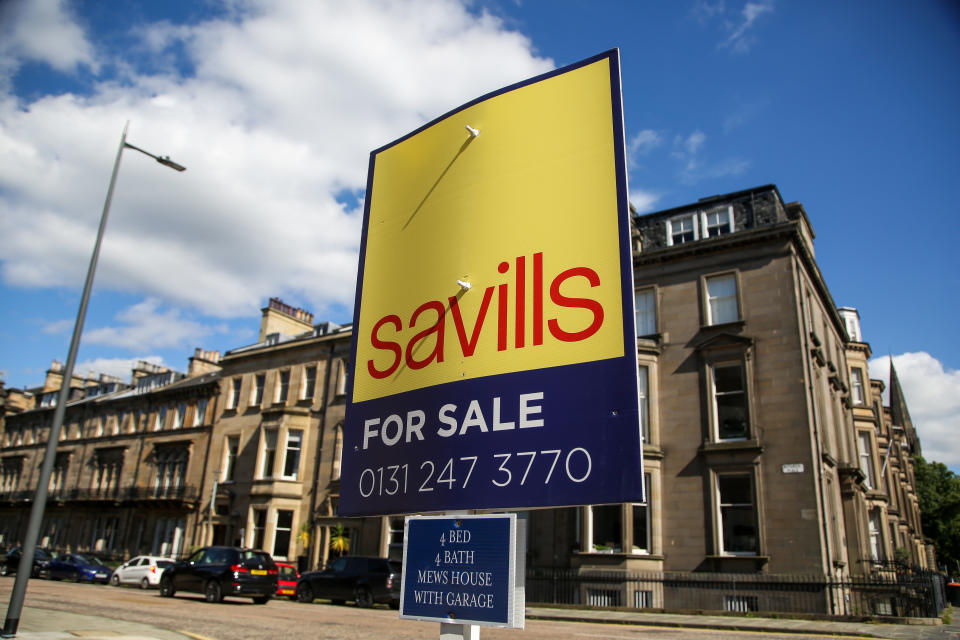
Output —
(269, 453)
(281, 538)
(291, 457)
(722, 299)
(283, 386)
(106, 473)
(233, 398)
(231, 449)
(606, 526)
(717, 222)
(309, 382)
(643, 385)
(856, 386)
(337, 452)
(876, 543)
(171, 472)
(179, 414)
(865, 445)
(200, 415)
(341, 377)
(118, 423)
(730, 415)
(259, 527)
(646, 312)
(738, 519)
(58, 475)
(159, 418)
(681, 229)
(640, 540)
(256, 394)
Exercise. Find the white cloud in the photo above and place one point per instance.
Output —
(740, 40)
(933, 399)
(120, 367)
(643, 200)
(284, 106)
(146, 326)
(41, 31)
(644, 142)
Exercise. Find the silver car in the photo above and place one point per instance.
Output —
(142, 570)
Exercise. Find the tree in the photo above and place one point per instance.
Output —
(339, 540)
(938, 490)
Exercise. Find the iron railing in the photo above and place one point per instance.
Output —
(915, 593)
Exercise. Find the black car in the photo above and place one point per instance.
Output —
(41, 562)
(217, 572)
(365, 580)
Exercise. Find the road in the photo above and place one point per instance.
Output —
(239, 619)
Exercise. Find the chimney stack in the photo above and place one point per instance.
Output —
(283, 319)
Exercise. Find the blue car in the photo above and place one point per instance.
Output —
(79, 567)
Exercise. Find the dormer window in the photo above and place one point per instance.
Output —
(700, 225)
(681, 229)
(718, 222)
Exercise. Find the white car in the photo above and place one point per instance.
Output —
(142, 570)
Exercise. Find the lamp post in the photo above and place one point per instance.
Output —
(25, 567)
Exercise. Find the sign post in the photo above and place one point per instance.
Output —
(494, 360)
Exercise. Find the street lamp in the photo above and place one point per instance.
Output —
(40, 497)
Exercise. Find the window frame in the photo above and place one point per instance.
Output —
(866, 458)
(705, 222)
(230, 456)
(233, 397)
(648, 517)
(857, 387)
(694, 219)
(282, 386)
(268, 453)
(652, 313)
(287, 449)
(715, 431)
(309, 381)
(256, 392)
(719, 506)
(707, 308)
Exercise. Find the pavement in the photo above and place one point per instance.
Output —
(48, 624)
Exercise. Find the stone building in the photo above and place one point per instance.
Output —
(767, 447)
(129, 466)
(757, 458)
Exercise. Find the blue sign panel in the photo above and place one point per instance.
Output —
(462, 570)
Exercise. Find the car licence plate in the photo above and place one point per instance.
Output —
(101, 575)
(258, 572)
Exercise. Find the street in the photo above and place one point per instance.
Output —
(239, 619)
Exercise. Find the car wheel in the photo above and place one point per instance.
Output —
(115, 580)
(4, 571)
(144, 584)
(363, 598)
(212, 592)
(394, 604)
(166, 587)
(304, 593)
(337, 602)
(261, 600)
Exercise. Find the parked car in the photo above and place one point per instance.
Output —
(287, 576)
(80, 567)
(142, 570)
(41, 560)
(217, 572)
(365, 580)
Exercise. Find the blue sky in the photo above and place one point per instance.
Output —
(849, 108)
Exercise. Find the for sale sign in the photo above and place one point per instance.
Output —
(494, 359)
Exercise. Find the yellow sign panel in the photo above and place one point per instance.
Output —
(498, 251)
